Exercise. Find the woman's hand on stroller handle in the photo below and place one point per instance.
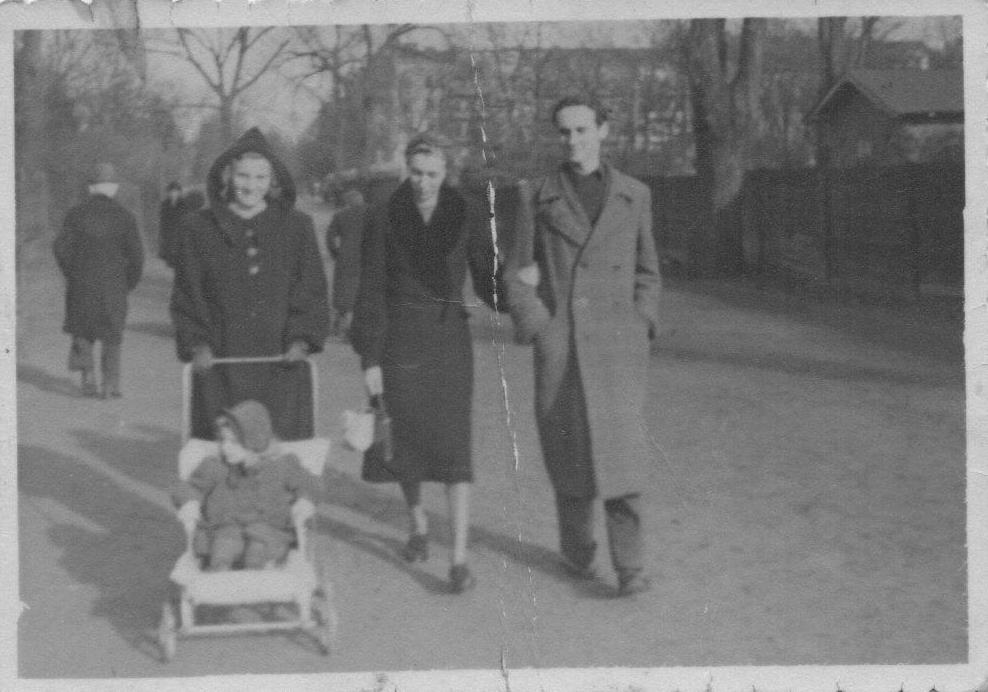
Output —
(202, 358)
(374, 380)
(298, 350)
(189, 514)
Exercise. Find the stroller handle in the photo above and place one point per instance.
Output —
(242, 360)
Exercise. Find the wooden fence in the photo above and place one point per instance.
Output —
(886, 229)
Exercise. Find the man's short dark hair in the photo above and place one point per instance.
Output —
(599, 110)
(428, 143)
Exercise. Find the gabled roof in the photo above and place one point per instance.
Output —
(930, 94)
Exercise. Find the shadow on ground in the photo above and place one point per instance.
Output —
(46, 382)
(128, 561)
(363, 498)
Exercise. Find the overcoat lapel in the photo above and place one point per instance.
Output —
(566, 214)
(615, 215)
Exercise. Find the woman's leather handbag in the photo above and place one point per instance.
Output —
(369, 431)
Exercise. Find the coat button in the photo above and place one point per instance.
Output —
(253, 269)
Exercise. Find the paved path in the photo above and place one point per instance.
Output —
(807, 506)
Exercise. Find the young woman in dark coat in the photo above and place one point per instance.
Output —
(250, 282)
(410, 329)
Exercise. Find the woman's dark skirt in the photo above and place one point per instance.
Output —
(428, 391)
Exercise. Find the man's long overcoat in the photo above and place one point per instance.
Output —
(100, 254)
(589, 318)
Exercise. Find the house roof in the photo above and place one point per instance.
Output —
(902, 93)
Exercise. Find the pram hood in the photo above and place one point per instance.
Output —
(251, 423)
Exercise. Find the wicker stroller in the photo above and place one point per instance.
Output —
(301, 582)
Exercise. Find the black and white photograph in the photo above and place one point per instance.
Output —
(523, 345)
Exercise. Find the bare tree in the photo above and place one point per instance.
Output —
(726, 115)
(355, 72)
(230, 61)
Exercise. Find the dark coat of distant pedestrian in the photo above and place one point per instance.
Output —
(170, 214)
(343, 240)
(99, 252)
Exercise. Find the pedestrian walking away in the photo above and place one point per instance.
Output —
(411, 331)
(100, 254)
(173, 207)
(250, 283)
(343, 240)
(583, 285)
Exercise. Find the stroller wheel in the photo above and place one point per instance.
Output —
(326, 621)
(167, 632)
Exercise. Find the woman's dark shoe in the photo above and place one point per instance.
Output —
(460, 579)
(417, 548)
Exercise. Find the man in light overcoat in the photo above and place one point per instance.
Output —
(583, 288)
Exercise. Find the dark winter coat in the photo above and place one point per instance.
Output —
(411, 319)
(169, 229)
(343, 239)
(100, 254)
(246, 294)
(589, 318)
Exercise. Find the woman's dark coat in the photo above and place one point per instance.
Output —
(100, 254)
(248, 297)
(410, 318)
(169, 226)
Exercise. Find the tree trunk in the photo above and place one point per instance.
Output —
(226, 119)
(832, 45)
(381, 98)
(33, 224)
(726, 116)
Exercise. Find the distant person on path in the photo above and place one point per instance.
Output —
(583, 286)
(193, 201)
(169, 218)
(250, 282)
(411, 330)
(343, 239)
(100, 254)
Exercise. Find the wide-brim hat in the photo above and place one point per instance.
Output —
(103, 173)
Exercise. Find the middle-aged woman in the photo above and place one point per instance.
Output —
(249, 282)
(410, 329)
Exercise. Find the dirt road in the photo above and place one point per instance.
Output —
(806, 506)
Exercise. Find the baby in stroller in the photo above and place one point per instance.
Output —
(246, 499)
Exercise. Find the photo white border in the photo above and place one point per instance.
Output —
(68, 14)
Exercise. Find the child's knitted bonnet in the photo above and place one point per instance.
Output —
(251, 423)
